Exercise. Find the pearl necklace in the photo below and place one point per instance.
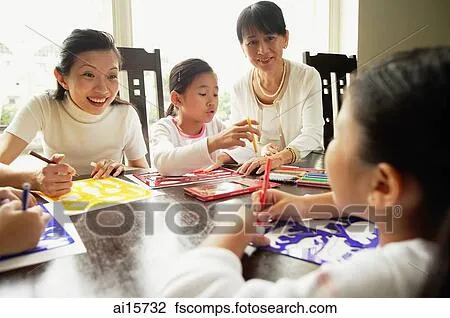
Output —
(258, 81)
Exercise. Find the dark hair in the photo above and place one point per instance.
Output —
(80, 41)
(182, 75)
(438, 281)
(264, 16)
(403, 107)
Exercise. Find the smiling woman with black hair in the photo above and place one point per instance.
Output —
(83, 121)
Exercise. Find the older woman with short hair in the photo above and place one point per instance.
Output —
(283, 96)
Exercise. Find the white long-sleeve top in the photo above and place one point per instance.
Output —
(300, 110)
(174, 153)
(394, 270)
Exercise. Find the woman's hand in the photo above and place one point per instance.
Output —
(11, 194)
(258, 163)
(282, 157)
(19, 230)
(55, 179)
(232, 136)
(270, 149)
(105, 168)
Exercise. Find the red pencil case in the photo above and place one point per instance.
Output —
(227, 189)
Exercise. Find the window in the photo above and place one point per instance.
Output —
(179, 28)
(30, 40)
(207, 30)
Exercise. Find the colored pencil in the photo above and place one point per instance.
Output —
(36, 155)
(265, 183)
(249, 122)
(316, 175)
(314, 179)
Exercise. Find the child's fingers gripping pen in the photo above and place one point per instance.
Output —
(249, 122)
(25, 195)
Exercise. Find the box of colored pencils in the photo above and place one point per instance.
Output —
(314, 179)
(301, 176)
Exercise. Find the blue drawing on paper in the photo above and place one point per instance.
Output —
(54, 236)
(322, 241)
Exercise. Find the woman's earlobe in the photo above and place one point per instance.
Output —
(60, 79)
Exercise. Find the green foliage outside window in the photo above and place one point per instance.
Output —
(7, 113)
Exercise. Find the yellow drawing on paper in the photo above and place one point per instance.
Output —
(92, 194)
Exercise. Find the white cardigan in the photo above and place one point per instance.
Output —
(300, 109)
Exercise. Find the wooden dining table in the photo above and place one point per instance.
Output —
(131, 254)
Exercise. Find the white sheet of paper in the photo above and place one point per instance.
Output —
(77, 247)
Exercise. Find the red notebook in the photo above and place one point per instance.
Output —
(226, 189)
(154, 180)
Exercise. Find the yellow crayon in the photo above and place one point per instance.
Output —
(249, 122)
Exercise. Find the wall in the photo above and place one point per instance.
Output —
(386, 26)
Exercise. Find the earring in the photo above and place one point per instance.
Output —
(285, 47)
